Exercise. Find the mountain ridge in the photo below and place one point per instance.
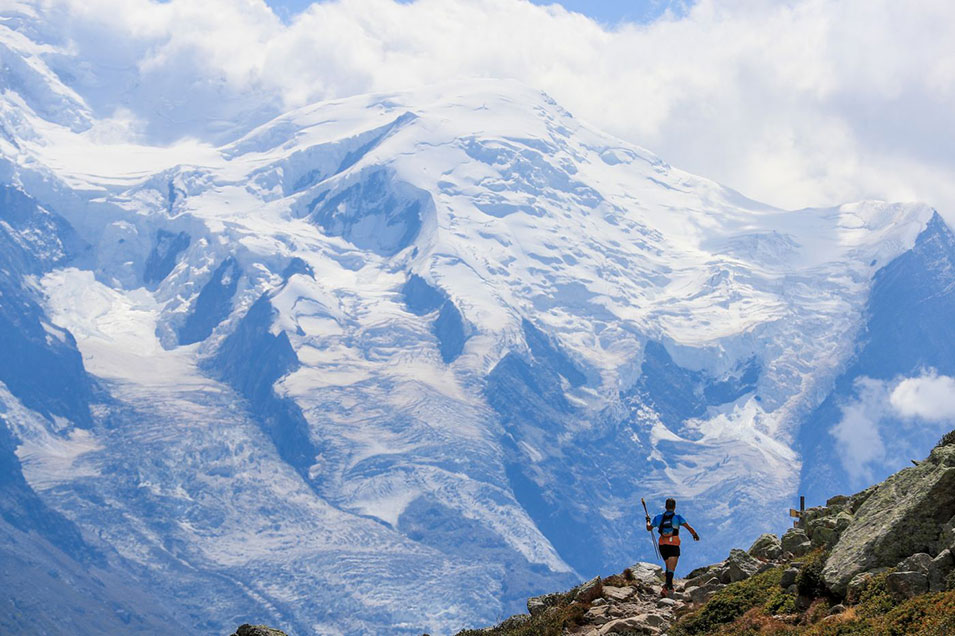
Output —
(408, 334)
(878, 561)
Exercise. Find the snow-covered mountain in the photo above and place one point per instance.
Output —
(312, 374)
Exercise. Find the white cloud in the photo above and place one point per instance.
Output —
(930, 397)
(802, 102)
(888, 423)
(858, 437)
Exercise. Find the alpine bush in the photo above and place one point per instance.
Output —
(874, 598)
(927, 614)
(809, 581)
(732, 602)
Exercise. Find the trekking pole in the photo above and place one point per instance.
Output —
(655, 550)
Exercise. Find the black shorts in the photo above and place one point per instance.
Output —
(667, 551)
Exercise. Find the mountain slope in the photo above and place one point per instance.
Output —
(380, 341)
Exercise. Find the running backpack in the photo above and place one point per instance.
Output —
(666, 524)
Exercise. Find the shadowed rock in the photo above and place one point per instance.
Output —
(257, 630)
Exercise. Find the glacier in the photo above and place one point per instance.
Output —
(394, 363)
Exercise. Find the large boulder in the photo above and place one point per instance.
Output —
(739, 566)
(904, 585)
(946, 538)
(703, 593)
(538, 604)
(916, 563)
(788, 578)
(767, 546)
(824, 537)
(939, 569)
(838, 500)
(900, 518)
(700, 571)
(796, 541)
(629, 625)
(257, 630)
(589, 590)
(647, 573)
(514, 622)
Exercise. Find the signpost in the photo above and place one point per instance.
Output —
(798, 514)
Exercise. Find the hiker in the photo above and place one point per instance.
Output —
(669, 524)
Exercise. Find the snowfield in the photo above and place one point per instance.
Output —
(393, 363)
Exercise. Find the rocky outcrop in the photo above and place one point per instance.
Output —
(767, 547)
(904, 516)
(257, 630)
(898, 536)
(631, 602)
(904, 585)
(796, 542)
(940, 569)
(739, 566)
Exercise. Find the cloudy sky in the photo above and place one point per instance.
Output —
(607, 12)
(793, 102)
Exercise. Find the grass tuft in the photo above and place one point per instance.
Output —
(947, 440)
(733, 602)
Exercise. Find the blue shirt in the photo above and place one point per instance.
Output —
(677, 521)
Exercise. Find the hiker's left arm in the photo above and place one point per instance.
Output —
(696, 537)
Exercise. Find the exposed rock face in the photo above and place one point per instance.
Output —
(627, 603)
(257, 630)
(647, 573)
(788, 578)
(739, 566)
(947, 537)
(589, 591)
(901, 528)
(767, 546)
(796, 541)
(702, 593)
(939, 570)
(916, 563)
(904, 585)
(901, 517)
(538, 604)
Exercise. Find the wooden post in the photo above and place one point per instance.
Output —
(798, 515)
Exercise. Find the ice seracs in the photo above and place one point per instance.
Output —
(384, 341)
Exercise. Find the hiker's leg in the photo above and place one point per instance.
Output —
(671, 568)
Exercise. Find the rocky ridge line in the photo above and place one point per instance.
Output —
(902, 529)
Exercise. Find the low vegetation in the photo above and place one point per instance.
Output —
(948, 439)
(565, 613)
(734, 603)
(757, 606)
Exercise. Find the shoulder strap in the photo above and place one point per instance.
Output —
(666, 522)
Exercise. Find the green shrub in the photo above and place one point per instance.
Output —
(780, 602)
(809, 581)
(874, 598)
(850, 627)
(925, 614)
(550, 622)
(757, 622)
(732, 602)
